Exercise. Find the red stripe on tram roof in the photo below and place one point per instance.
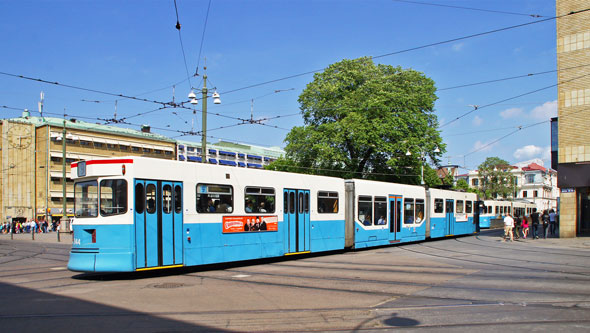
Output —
(117, 161)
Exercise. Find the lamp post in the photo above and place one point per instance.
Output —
(422, 155)
(194, 101)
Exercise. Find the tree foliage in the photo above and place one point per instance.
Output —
(360, 119)
(496, 179)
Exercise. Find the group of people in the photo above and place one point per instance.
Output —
(27, 227)
(514, 226)
(255, 225)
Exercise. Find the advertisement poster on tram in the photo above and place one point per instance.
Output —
(232, 224)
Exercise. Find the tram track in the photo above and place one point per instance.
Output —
(479, 262)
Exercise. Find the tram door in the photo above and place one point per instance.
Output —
(450, 217)
(158, 223)
(296, 218)
(395, 217)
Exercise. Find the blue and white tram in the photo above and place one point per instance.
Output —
(135, 213)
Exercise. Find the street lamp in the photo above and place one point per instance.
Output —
(194, 101)
(422, 153)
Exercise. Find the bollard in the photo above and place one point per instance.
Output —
(33, 234)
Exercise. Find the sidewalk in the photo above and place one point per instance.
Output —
(552, 241)
(50, 237)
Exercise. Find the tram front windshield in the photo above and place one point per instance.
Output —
(112, 194)
(86, 198)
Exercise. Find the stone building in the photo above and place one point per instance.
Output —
(31, 181)
(573, 152)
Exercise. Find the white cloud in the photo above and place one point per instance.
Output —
(511, 113)
(528, 152)
(458, 47)
(545, 111)
(477, 121)
(546, 153)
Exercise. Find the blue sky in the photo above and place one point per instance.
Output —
(132, 47)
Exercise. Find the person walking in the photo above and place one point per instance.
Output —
(545, 220)
(525, 227)
(552, 220)
(535, 223)
(508, 225)
(517, 227)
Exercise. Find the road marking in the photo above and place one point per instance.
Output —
(58, 268)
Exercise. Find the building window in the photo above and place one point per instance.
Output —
(576, 97)
(135, 148)
(98, 145)
(524, 194)
(530, 179)
(574, 42)
(475, 182)
(535, 194)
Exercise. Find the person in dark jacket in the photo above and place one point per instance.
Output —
(535, 223)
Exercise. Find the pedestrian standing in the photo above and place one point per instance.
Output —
(545, 220)
(508, 225)
(535, 223)
(517, 227)
(552, 221)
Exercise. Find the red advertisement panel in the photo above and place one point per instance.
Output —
(255, 223)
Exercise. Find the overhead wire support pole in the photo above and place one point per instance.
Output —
(204, 119)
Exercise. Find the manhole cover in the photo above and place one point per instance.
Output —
(168, 285)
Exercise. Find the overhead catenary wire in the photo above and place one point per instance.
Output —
(469, 8)
(178, 27)
(478, 107)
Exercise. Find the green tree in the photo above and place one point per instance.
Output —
(360, 119)
(496, 179)
(462, 185)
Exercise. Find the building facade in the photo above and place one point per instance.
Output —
(32, 161)
(32, 151)
(573, 57)
(533, 182)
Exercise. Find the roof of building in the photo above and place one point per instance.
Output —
(534, 167)
(82, 125)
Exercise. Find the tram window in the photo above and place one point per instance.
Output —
(408, 211)
(300, 202)
(489, 210)
(306, 203)
(214, 198)
(177, 199)
(167, 199)
(259, 200)
(292, 202)
(113, 197)
(468, 207)
(365, 204)
(419, 210)
(327, 202)
(509, 208)
(139, 199)
(438, 205)
(459, 209)
(380, 209)
(150, 198)
(86, 199)
(497, 210)
(501, 210)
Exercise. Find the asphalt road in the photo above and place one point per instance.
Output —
(458, 284)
